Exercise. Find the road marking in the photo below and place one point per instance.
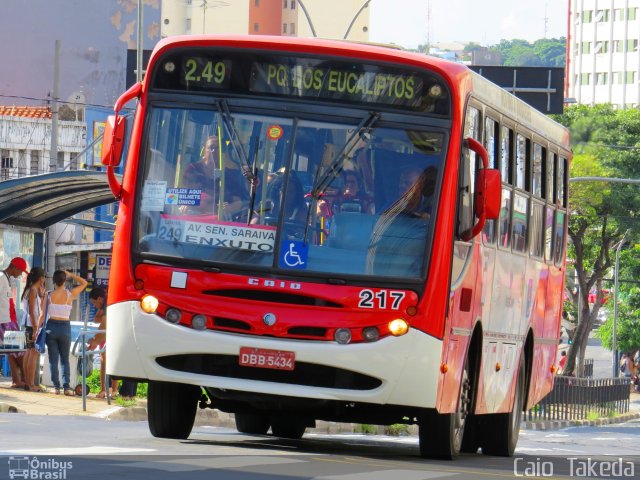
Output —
(208, 462)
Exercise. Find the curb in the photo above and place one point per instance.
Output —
(558, 424)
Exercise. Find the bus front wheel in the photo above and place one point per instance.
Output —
(252, 423)
(171, 409)
(441, 434)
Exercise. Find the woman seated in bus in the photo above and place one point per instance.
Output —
(401, 229)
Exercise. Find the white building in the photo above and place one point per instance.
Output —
(603, 61)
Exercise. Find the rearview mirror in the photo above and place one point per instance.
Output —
(113, 140)
(488, 193)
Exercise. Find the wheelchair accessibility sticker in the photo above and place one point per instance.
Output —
(293, 254)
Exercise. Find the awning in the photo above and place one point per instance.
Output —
(40, 201)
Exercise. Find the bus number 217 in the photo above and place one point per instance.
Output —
(382, 299)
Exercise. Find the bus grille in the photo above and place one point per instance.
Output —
(304, 374)
(273, 297)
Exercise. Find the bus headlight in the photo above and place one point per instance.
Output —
(199, 322)
(398, 327)
(149, 304)
(342, 336)
(173, 315)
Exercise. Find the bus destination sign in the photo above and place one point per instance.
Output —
(323, 79)
(334, 83)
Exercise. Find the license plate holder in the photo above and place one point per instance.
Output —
(267, 358)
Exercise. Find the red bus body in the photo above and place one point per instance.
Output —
(488, 309)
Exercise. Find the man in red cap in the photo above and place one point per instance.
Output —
(8, 318)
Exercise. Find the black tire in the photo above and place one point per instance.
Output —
(288, 427)
(441, 434)
(171, 409)
(503, 429)
(252, 423)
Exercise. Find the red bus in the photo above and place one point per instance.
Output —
(313, 229)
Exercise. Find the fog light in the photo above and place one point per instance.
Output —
(398, 327)
(199, 322)
(342, 336)
(173, 315)
(370, 334)
(149, 304)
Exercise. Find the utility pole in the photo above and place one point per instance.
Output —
(139, 44)
(53, 158)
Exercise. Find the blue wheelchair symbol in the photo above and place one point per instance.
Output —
(293, 254)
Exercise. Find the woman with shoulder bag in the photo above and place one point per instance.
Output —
(57, 306)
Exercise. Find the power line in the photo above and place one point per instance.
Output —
(18, 97)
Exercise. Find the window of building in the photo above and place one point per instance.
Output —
(586, 16)
(60, 161)
(586, 47)
(256, 3)
(601, 78)
(585, 79)
(601, 47)
(256, 27)
(521, 162)
(618, 15)
(292, 28)
(622, 78)
(284, 28)
(632, 45)
(35, 162)
(602, 16)
(632, 13)
(187, 24)
(285, 3)
(618, 46)
(293, 4)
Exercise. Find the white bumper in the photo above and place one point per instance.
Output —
(407, 366)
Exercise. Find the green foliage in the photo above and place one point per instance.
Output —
(93, 381)
(627, 324)
(396, 430)
(125, 403)
(366, 429)
(142, 390)
(541, 53)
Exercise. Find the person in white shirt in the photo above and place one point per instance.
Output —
(8, 318)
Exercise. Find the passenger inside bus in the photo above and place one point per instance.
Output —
(207, 176)
(397, 241)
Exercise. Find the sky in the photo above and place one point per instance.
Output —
(482, 21)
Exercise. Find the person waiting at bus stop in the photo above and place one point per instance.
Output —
(57, 306)
(98, 298)
(8, 318)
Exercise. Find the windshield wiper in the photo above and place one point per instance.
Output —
(362, 133)
(238, 147)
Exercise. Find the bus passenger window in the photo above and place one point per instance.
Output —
(537, 231)
(519, 226)
(505, 219)
(536, 171)
(560, 182)
(550, 178)
(521, 162)
(506, 139)
(559, 237)
(548, 234)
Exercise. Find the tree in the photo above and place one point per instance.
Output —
(600, 212)
(542, 53)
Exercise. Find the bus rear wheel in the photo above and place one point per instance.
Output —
(503, 429)
(440, 434)
(288, 427)
(252, 423)
(171, 409)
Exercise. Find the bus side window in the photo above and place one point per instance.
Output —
(467, 174)
(491, 144)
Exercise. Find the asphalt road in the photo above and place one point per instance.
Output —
(90, 448)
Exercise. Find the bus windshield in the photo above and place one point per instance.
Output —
(288, 194)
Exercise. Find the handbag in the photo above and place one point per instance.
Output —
(41, 339)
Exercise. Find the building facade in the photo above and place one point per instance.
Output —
(603, 58)
(330, 18)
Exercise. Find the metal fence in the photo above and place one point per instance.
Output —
(577, 398)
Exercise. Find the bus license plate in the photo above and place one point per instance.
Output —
(264, 358)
